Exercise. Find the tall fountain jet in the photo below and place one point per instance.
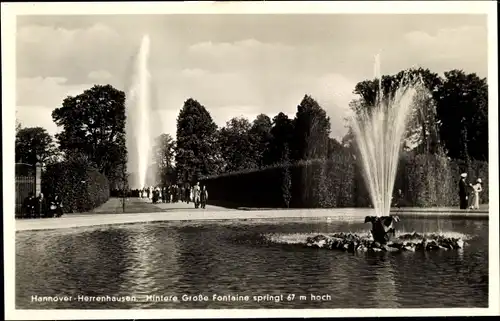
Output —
(379, 132)
(138, 110)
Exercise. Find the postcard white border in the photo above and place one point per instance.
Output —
(11, 10)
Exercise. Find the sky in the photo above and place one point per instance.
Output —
(235, 65)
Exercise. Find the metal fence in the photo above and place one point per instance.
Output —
(25, 184)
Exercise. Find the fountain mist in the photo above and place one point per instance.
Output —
(379, 132)
(138, 118)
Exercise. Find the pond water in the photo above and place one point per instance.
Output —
(151, 265)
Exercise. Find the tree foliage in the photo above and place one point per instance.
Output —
(18, 125)
(311, 131)
(34, 144)
(421, 130)
(80, 186)
(197, 151)
(334, 147)
(237, 145)
(94, 125)
(164, 153)
(462, 109)
(260, 135)
(281, 138)
(451, 112)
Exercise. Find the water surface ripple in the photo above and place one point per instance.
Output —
(232, 258)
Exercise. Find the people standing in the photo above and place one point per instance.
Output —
(196, 195)
(29, 206)
(462, 191)
(41, 206)
(204, 196)
(55, 207)
(175, 194)
(187, 192)
(182, 191)
(155, 196)
(51, 210)
(163, 194)
(59, 206)
(476, 189)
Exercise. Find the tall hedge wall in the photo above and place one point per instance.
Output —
(80, 186)
(425, 181)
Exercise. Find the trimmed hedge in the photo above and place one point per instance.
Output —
(80, 186)
(429, 180)
(425, 181)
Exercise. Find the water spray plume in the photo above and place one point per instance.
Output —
(379, 132)
(138, 117)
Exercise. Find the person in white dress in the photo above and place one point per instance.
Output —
(476, 189)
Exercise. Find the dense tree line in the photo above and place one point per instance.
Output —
(452, 113)
(452, 118)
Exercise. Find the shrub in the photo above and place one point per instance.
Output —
(80, 186)
(425, 181)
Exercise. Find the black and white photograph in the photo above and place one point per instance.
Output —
(228, 159)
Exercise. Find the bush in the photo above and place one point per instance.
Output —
(425, 181)
(80, 186)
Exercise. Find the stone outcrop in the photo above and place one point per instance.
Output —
(350, 242)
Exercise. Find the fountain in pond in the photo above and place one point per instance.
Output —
(379, 133)
(138, 110)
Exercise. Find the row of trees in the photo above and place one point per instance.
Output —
(452, 119)
(452, 114)
(203, 150)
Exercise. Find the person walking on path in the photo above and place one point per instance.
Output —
(476, 189)
(462, 191)
(204, 196)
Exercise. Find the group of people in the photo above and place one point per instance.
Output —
(175, 193)
(40, 206)
(466, 189)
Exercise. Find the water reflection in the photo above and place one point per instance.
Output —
(153, 262)
(141, 249)
(231, 258)
(385, 281)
